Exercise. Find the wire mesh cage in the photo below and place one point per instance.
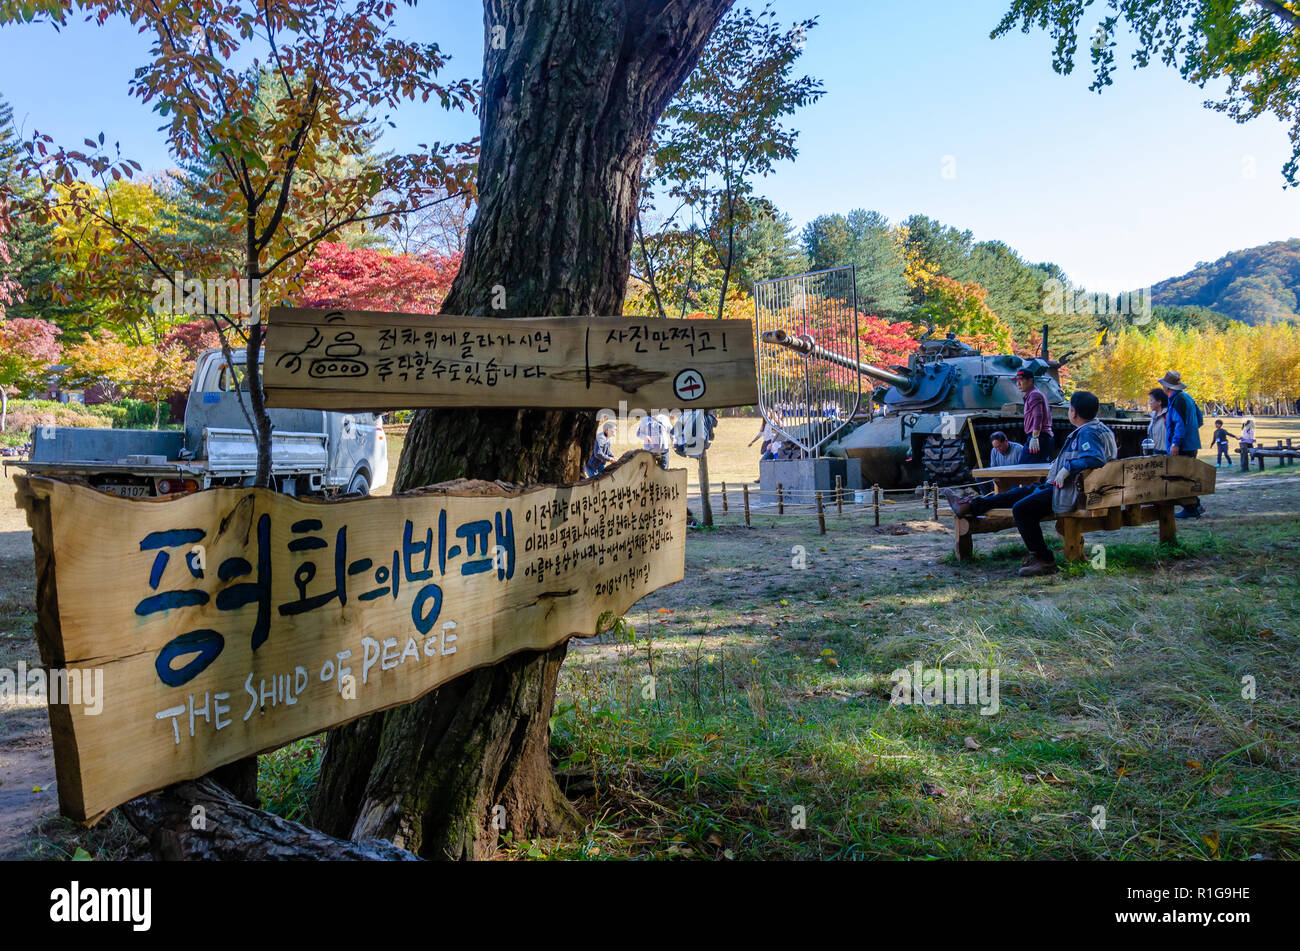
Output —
(808, 396)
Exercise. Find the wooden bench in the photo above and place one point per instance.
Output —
(1119, 494)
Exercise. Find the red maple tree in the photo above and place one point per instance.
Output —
(367, 279)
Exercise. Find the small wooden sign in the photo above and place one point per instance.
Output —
(362, 360)
(233, 621)
(1143, 480)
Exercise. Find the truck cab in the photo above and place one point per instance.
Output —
(313, 452)
(353, 458)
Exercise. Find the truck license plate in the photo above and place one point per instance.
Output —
(130, 491)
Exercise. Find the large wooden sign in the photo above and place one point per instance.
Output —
(361, 360)
(233, 621)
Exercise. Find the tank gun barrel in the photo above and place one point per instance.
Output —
(802, 343)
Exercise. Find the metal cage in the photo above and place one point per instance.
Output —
(807, 400)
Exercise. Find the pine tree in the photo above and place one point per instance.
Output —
(30, 265)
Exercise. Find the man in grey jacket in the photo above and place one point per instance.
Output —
(1092, 444)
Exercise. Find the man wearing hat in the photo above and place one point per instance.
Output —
(1182, 428)
(1038, 420)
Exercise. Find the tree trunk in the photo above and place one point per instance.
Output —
(4, 409)
(201, 820)
(571, 98)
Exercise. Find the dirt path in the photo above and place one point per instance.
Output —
(27, 789)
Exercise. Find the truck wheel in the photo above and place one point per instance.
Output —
(360, 484)
(944, 460)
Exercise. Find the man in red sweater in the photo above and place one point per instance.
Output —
(1038, 420)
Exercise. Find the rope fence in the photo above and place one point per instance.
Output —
(747, 501)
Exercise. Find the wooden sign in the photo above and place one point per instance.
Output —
(1143, 480)
(233, 621)
(362, 360)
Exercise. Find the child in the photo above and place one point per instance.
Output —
(1219, 439)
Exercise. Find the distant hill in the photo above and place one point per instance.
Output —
(1253, 286)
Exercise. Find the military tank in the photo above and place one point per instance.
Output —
(930, 421)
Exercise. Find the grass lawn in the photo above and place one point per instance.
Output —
(1125, 729)
(1147, 709)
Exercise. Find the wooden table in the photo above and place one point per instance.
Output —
(1008, 477)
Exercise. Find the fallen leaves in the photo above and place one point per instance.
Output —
(1211, 841)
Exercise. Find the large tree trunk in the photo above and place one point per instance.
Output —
(572, 92)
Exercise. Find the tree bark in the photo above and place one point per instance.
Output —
(572, 90)
(201, 820)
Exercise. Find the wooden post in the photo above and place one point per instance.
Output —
(821, 515)
(875, 501)
(1072, 532)
(780, 499)
(839, 494)
(1245, 459)
(934, 498)
(1260, 460)
(1168, 527)
(724, 498)
(746, 488)
(965, 548)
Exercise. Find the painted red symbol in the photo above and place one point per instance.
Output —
(689, 385)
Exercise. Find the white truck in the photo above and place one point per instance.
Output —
(313, 452)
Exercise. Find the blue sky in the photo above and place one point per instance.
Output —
(1122, 189)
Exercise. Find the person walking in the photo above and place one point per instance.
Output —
(1184, 429)
(1157, 429)
(602, 454)
(1219, 440)
(1038, 420)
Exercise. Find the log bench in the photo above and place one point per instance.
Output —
(1119, 494)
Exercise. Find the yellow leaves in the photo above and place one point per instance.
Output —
(1235, 365)
(145, 372)
(1211, 841)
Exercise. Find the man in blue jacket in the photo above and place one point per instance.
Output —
(1092, 444)
(1183, 428)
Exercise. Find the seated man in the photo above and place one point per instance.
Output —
(1004, 453)
(1092, 444)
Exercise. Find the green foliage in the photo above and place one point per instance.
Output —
(30, 266)
(865, 240)
(24, 414)
(1016, 289)
(1252, 48)
(1255, 286)
(766, 245)
(139, 414)
(725, 129)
